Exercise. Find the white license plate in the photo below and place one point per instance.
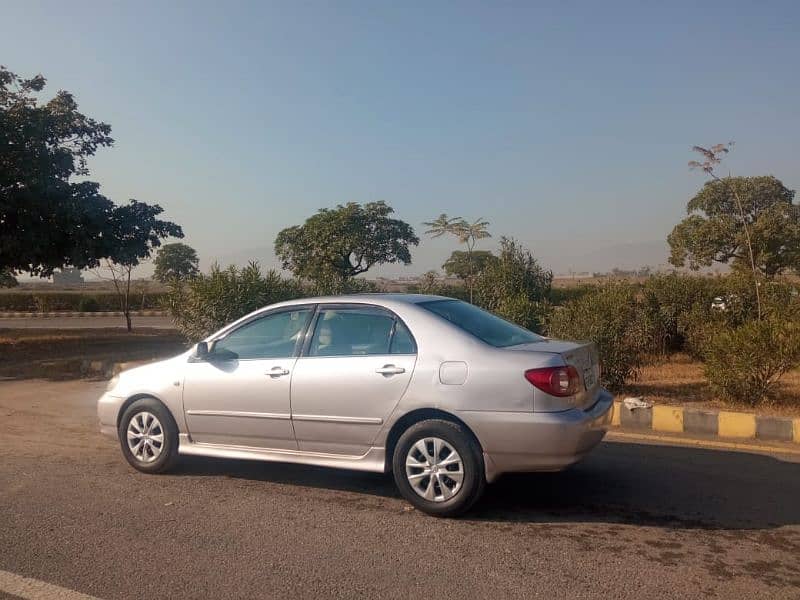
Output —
(589, 379)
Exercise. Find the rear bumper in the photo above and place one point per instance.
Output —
(539, 441)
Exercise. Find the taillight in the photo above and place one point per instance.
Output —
(556, 381)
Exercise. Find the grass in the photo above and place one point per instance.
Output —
(26, 353)
(680, 380)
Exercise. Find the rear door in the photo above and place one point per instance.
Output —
(355, 367)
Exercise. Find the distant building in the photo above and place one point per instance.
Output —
(68, 277)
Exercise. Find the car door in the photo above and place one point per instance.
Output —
(355, 367)
(239, 394)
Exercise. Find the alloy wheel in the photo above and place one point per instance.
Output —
(145, 437)
(434, 469)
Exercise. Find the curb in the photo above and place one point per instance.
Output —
(50, 315)
(723, 424)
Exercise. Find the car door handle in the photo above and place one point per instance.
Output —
(390, 370)
(277, 371)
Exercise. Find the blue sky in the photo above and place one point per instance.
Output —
(566, 124)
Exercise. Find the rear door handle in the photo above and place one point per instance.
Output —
(390, 370)
(277, 372)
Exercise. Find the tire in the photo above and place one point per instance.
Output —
(152, 424)
(424, 448)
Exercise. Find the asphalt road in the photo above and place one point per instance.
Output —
(632, 521)
(84, 322)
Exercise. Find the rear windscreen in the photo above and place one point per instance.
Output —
(483, 325)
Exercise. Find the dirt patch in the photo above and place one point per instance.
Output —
(53, 354)
(679, 380)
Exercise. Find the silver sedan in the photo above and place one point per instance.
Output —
(439, 392)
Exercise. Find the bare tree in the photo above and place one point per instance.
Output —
(120, 276)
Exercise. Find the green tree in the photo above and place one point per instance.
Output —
(137, 232)
(48, 221)
(461, 265)
(337, 244)
(515, 285)
(715, 229)
(175, 261)
(7, 279)
(467, 233)
(749, 222)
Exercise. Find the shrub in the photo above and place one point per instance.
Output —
(608, 316)
(71, 301)
(562, 295)
(744, 363)
(672, 305)
(7, 279)
(43, 303)
(520, 309)
(515, 286)
(204, 304)
(332, 286)
(779, 299)
(431, 283)
(88, 304)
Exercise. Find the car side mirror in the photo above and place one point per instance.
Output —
(201, 350)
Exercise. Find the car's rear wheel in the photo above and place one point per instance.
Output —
(438, 467)
(148, 436)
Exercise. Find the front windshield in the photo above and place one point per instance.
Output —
(483, 325)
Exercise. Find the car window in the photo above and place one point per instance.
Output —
(351, 332)
(484, 325)
(402, 342)
(273, 336)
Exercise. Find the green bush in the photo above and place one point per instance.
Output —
(674, 304)
(562, 295)
(43, 303)
(515, 286)
(431, 283)
(88, 304)
(779, 300)
(7, 279)
(333, 286)
(609, 316)
(46, 301)
(745, 363)
(206, 303)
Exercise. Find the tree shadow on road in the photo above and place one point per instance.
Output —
(623, 483)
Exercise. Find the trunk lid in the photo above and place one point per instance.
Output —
(581, 355)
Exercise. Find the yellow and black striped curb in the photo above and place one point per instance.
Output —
(722, 423)
(65, 313)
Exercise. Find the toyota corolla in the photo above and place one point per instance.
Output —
(442, 394)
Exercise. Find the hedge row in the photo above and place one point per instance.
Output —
(70, 301)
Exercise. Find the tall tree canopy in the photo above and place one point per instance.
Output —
(713, 231)
(345, 241)
(175, 261)
(464, 265)
(48, 221)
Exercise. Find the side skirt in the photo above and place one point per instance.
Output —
(374, 460)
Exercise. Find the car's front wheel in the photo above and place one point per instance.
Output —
(438, 467)
(148, 436)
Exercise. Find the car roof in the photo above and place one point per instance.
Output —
(370, 298)
(391, 301)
